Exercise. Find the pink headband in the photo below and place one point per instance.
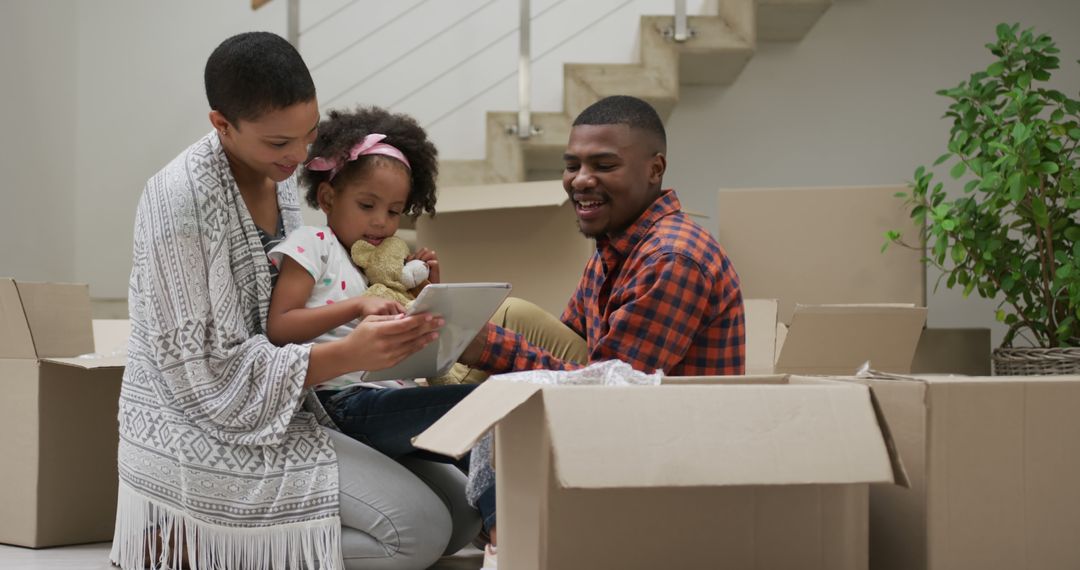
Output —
(371, 144)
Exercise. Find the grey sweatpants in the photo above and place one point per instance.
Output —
(399, 515)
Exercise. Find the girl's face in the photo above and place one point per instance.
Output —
(370, 207)
(273, 145)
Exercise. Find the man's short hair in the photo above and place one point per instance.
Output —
(253, 73)
(625, 110)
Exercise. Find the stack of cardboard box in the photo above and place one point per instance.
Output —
(807, 246)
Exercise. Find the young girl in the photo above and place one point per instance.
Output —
(368, 168)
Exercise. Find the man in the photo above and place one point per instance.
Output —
(659, 293)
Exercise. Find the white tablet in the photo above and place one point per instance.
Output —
(465, 307)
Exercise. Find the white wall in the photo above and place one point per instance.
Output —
(854, 103)
(38, 143)
(141, 101)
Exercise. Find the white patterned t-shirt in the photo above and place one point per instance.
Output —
(337, 279)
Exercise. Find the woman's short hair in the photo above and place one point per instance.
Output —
(253, 73)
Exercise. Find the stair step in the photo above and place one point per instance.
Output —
(788, 20)
(585, 83)
(715, 55)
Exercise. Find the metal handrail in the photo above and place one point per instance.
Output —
(400, 57)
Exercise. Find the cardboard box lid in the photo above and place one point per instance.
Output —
(838, 339)
(110, 344)
(111, 335)
(686, 436)
(44, 319)
(501, 196)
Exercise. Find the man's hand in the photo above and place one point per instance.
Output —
(427, 256)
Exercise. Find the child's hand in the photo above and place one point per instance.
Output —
(367, 306)
(427, 256)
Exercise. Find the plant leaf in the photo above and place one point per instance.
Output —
(958, 170)
(1038, 211)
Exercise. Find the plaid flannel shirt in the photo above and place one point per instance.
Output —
(662, 295)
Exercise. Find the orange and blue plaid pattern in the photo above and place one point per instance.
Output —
(662, 295)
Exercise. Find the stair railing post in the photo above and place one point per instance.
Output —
(524, 122)
(292, 23)
(682, 31)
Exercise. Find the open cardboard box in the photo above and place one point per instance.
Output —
(993, 463)
(58, 427)
(805, 246)
(523, 233)
(831, 339)
(763, 472)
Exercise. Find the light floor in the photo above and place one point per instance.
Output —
(96, 557)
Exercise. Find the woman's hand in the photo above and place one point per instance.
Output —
(378, 342)
(427, 256)
(367, 306)
(382, 341)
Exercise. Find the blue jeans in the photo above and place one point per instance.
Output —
(387, 420)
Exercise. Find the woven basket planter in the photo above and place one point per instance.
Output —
(1036, 361)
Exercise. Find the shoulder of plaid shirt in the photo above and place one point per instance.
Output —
(674, 304)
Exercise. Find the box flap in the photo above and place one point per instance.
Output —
(690, 436)
(837, 339)
(59, 317)
(15, 339)
(459, 429)
(501, 196)
(900, 475)
(760, 334)
(111, 336)
(90, 362)
(781, 337)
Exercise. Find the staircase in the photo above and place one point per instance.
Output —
(715, 55)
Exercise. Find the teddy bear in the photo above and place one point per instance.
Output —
(391, 277)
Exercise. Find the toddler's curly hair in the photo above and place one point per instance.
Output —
(343, 129)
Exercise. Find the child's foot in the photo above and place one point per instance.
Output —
(491, 561)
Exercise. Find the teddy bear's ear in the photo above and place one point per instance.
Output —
(395, 248)
(362, 252)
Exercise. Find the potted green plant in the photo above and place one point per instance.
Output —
(1013, 232)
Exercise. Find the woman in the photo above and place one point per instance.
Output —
(222, 459)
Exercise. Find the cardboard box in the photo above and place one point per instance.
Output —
(743, 473)
(993, 463)
(831, 339)
(820, 246)
(964, 351)
(523, 233)
(58, 426)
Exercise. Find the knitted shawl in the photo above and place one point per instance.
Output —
(221, 454)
